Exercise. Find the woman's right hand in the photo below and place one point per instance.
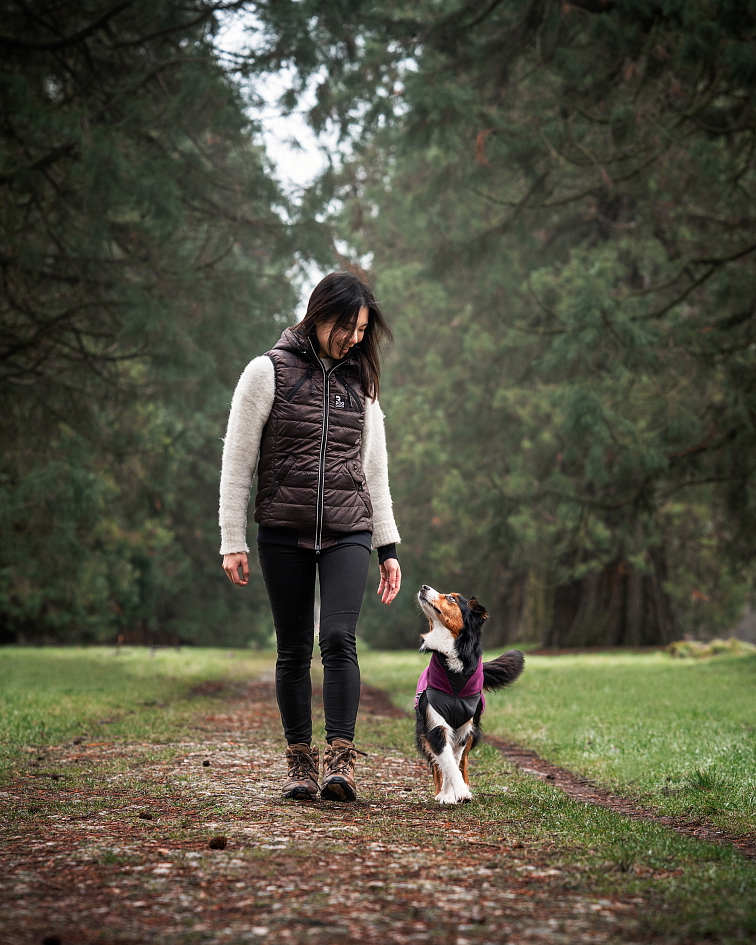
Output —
(231, 565)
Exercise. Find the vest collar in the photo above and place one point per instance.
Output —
(293, 340)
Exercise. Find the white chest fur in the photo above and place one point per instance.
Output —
(440, 639)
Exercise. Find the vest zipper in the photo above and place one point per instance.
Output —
(323, 446)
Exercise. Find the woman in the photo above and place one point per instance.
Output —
(309, 409)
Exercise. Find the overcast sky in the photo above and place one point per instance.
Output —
(289, 141)
(291, 145)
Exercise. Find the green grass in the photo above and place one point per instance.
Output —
(51, 694)
(678, 734)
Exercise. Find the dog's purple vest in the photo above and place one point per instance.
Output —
(434, 677)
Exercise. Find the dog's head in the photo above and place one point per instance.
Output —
(455, 627)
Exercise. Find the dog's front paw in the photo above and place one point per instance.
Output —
(449, 797)
(443, 798)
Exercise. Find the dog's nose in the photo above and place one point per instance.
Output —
(425, 587)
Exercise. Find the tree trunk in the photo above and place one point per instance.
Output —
(507, 602)
(619, 606)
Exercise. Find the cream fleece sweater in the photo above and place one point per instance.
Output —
(250, 409)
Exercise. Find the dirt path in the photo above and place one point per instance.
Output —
(112, 846)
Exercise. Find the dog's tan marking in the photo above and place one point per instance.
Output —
(449, 613)
(438, 778)
(463, 761)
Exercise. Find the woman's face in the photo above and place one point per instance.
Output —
(342, 341)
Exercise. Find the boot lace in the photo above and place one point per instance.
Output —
(301, 764)
(341, 759)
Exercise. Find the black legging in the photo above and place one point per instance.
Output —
(289, 575)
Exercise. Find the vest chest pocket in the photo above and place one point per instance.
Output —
(346, 399)
(307, 376)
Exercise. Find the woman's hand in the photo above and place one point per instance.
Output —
(231, 565)
(391, 580)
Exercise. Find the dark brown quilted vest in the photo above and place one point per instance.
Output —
(310, 474)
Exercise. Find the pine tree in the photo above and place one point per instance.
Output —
(144, 262)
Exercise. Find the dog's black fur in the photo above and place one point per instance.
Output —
(469, 647)
(502, 672)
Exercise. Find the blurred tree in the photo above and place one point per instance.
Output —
(143, 259)
(560, 199)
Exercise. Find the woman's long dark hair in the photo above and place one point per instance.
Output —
(338, 298)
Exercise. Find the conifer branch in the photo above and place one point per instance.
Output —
(713, 263)
(15, 42)
(64, 150)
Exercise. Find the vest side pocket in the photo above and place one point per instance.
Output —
(278, 478)
(354, 469)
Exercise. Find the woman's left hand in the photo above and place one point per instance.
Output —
(391, 580)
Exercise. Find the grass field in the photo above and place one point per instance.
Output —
(651, 718)
(51, 694)
(677, 734)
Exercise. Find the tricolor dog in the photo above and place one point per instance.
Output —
(450, 701)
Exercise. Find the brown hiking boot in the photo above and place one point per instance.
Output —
(338, 771)
(301, 783)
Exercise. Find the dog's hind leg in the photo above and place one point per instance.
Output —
(432, 744)
(464, 743)
(438, 778)
(463, 765)
(462, 740)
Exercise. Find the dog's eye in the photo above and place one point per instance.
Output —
(453, 600)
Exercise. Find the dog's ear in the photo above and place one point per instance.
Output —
(478, 609)
(468, 642)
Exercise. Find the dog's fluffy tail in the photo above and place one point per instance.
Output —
(503, 670)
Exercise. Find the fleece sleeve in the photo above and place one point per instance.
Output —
(375, 465)
(250, 409)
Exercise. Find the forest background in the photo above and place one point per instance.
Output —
(556, 202)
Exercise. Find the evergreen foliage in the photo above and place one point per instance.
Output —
(143, 262)
(560, 202)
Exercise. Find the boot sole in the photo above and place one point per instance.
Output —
(299, 795)
(337, 790)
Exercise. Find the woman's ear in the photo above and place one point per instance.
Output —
(477, 608)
